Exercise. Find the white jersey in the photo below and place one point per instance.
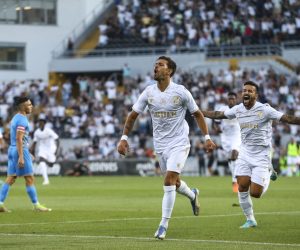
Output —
(167, 110)
(231, 132)
(255, 124)
(45, 140)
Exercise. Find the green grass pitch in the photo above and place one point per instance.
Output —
(124, 212)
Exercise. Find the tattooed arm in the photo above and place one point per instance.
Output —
(214, 114)
(123, 145)
(290, 119)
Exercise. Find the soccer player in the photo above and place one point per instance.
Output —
(230, 137)
(253, 166)
(19, 157)
(167, 103)
(47, 144)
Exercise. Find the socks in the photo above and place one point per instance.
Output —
(246, 205)
(4, 192)
(231, 165)
(43, 167)
(168, 204)
(185, 190)
(31, 191)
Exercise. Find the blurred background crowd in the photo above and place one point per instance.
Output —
(95, 109)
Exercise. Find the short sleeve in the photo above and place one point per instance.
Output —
(272, 113)
(231, 113)
(21, 124)
(141, 103)
(53, 134)
(189, 101)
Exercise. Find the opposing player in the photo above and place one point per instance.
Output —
(167, 103)
(19, 157)
(230, 137)
(45, 145)
(253, 166)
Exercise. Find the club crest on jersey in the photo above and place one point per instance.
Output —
(260, 114)
(176, 100)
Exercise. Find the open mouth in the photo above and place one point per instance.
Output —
(246, 98)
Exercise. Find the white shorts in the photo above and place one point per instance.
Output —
(257, 165)
(173, 159)
(229, 144)
(49, 156)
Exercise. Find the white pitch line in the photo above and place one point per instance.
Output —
(151, 239)
(147, 218)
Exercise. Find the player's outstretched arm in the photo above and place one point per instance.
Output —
(214, 114)
(209, 144)
(290, 119)
(123, 145)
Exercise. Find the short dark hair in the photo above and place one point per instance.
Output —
(171, 64)
(232, 93)
(252, 84)
(19, 100)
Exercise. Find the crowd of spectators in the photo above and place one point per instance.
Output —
(200, 23)
(96, 108)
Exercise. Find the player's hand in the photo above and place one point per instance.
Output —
(123, 147)
(21, 162)
(32, 157)
(209, 145)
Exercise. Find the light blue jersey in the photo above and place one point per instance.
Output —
(19, 123)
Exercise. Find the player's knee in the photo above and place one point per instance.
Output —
(11, 180)
(255, 194)
(243, 188)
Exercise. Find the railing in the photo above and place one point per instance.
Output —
(80, 28)
(243, 50)
(210, 51)
(130, 51)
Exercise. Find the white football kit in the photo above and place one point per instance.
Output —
(254, 159)
(46, 146)
(170, 129)
(231, 133)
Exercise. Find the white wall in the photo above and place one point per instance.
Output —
(41, 40)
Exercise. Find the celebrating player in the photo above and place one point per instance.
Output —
(167, 103)
(253, 166)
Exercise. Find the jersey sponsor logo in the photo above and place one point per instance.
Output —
(164, 114)
(249, 125)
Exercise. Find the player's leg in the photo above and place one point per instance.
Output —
(11, 176)
(245, 201)
(32, 193)
(161, 231)
(4, 192)
(178, 159)
(243, 172)
(27, 172)
(43, 166)
(260, 181)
